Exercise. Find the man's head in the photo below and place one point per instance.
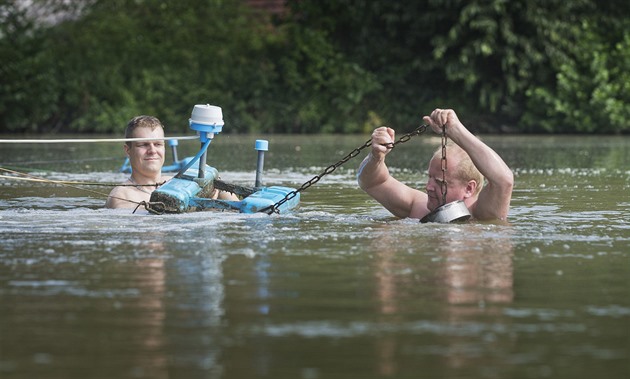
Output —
(464, 181)
(141, 122)
(146, 157)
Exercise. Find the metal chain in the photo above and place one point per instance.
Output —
(330, 169)
(443, 184)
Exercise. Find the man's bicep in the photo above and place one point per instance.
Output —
(493, 203)
(395, 196)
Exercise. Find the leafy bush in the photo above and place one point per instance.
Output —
(332, 66)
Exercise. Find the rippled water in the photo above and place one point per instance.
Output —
(337, 289)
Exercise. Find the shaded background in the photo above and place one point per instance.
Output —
(311, 66)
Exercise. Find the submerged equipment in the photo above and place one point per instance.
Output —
(455, 211)
(192, 187)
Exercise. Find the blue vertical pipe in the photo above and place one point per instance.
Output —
(202, 164)
(195, 159)
(173, 144)
(205, 138)
(261, 146)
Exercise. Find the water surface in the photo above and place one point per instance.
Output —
(337, 289)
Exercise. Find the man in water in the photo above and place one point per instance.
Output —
(469, 161)
(146, 159)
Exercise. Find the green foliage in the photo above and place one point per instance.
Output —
(334, 66)
(156, 58)
(317, 86)
(25, 72)
(388, 39)
(592, 89)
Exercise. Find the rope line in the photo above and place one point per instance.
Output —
(44, 180)
(74, 182)
(27, 163)
(90, 140)
(33, 178)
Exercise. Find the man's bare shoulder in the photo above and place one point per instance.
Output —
(121, 197)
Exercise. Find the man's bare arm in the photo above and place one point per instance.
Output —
(375, 180)
(494, 200)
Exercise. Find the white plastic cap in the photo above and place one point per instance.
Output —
(207, 114)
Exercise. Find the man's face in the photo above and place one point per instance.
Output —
(146, 157)
(456, 190)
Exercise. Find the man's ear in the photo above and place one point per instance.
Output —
(126, 149)
(471, 187)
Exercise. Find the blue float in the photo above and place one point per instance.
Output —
(192, 187)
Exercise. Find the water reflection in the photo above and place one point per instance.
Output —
(77, 308)
(196, 294)
(153, 276)
(468, 276)
(477, 272)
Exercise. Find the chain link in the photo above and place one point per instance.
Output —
(443, 184)
(330, 169)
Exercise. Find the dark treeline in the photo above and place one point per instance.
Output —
(332, 66)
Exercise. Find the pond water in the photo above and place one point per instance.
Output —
(337, 289)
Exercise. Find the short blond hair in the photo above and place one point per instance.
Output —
(465, 169)
(142, 122)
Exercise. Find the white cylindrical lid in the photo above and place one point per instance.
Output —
(207, 114)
